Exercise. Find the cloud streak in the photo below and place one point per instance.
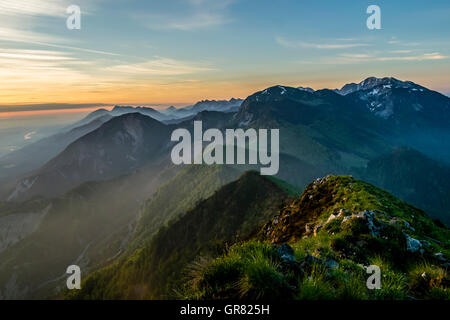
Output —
(52, 8)
(194, 15)
(301, 44)
(160, 67)
(354, 58)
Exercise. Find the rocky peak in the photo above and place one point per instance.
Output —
(373, 82)
(367, 218)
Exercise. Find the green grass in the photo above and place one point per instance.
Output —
(351, 244)
(429, 281)
(247, 271)
(206, 255)
(252, 271)
(158, 269)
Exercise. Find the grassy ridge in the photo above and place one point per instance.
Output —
(230, 214)
(336, 228)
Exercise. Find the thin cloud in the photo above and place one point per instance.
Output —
(159, 66)
(19, 20)
(401, 51)
(301, 44)
(195, 14)
(356, 55)
(403, 43)
(422, 57)
(53, 8)
(38, 67)
(352, 58)
(193, 22)
(43, 8)
(25, 36)
(77, 48)
(29, 37)
(33, 55)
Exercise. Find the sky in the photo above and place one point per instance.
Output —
(176, 52)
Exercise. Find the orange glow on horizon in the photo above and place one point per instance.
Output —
(29, 113)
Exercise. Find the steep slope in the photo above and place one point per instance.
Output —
(33, 156)
(94, 115)
(88, 226)
(192, 184)
(19, 221)
(340, 134)
(146, 111)
(320, 246)
(415, 178)
(321, 128)
(232, 213)
(117, 147)
(403, 102)
(120, 111)
(412, 114)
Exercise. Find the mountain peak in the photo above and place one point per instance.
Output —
(307, 89)
(279, 91)
(331, 195)
(231, 105)
(372, 82)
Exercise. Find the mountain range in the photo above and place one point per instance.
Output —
(224, 249)
(113, 169)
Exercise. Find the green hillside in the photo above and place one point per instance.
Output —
(88, 226)
(158, 270)
(191, 185)
(319, 246)
(415, 178)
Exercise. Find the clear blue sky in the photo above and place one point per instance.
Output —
(180, 51)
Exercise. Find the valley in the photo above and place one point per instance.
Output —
(104, 194)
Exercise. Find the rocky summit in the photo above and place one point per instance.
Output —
(324, 244)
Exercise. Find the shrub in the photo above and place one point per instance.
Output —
(262, 280)
(429, 281)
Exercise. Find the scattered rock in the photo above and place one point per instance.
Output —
(440, 256)
(408, 225)
(368, 216)
(332, 264)
(288, 261)
(331, 218)
(412, 245)
(310, 260)
(286, 253)
(307, 229)
(317, 229)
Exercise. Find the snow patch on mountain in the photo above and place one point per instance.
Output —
(379, 83)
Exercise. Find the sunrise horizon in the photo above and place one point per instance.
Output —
(66, 105)
(212, 50)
